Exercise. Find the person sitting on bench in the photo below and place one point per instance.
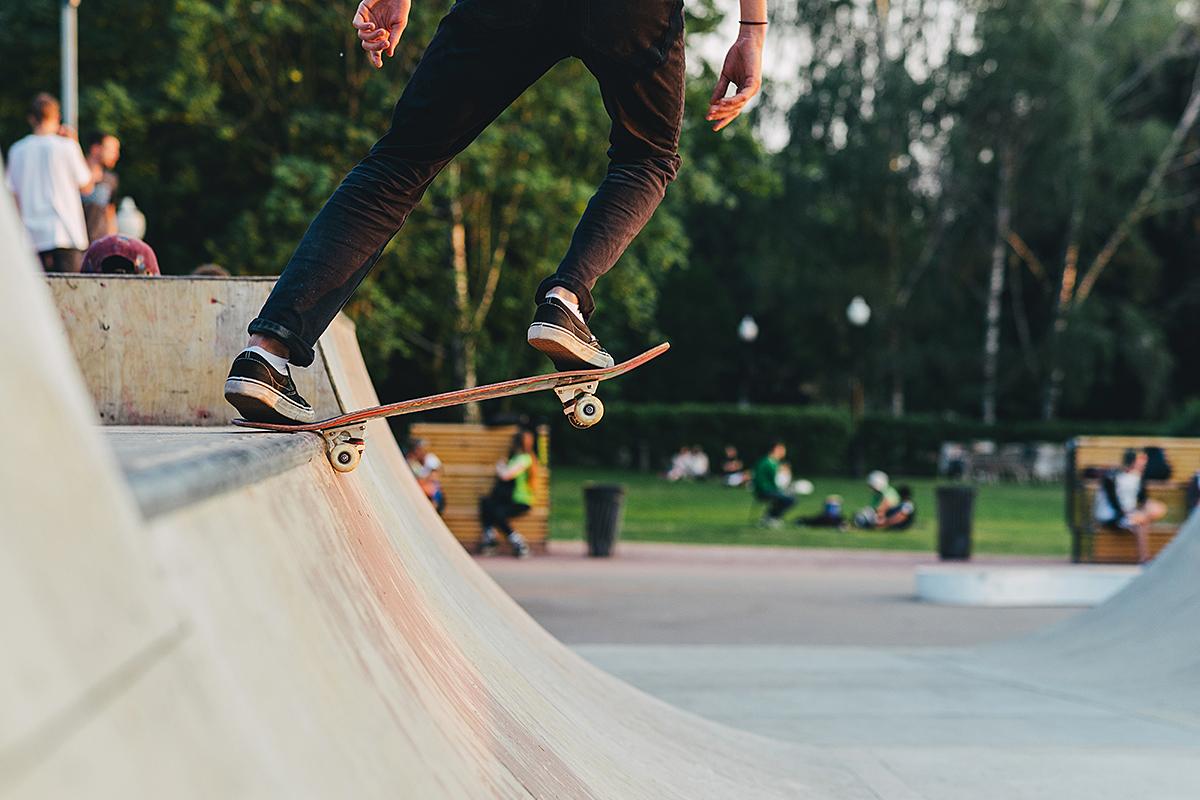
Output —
(511, 496)
(1121, 502)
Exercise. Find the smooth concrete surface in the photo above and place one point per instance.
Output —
(667, 594)
(1010, 586)
(169, 468)
(115, 326)
(760, 666)
(888, 697)
(318, 635)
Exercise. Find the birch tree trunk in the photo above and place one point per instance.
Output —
(1074, 291)
(464, 329)
(991, 338)
(1052, 392)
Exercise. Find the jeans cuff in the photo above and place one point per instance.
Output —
(586, 304)
(299, 352)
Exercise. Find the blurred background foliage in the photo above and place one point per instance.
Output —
(937, 157)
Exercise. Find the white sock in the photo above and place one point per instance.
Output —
(279, 363)
(564, 296)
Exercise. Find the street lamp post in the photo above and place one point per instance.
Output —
(70, 62)
(747, 332)
(858, 313)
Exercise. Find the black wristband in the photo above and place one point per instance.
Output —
(750, 22)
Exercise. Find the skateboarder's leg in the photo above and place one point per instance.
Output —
(646, 107)
(467, 76)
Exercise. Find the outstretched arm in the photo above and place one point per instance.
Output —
(380, 24)
(743, 66)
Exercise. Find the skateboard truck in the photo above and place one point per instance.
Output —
(345, 446)
(580, 404)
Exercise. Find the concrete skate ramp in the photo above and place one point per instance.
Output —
(279, 630)
(1141, 649)
(307, 635)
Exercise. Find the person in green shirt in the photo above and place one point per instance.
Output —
(766, 488)
(511, 496)
(883, 500)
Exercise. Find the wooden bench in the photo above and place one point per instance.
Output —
(469, 454)
(1096, 544)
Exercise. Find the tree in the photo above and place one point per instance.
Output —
(1105, 58)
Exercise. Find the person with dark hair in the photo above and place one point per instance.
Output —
(511, 496)
(765, 484)
(1121, 503)
(46, 173)
(484, 55)
(733, 471)
(121, 255)
(100, 204)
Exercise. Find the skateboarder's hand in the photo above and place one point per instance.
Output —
(743, 69)
(379, 24)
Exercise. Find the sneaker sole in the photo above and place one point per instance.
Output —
(564, 348)
(257, 402)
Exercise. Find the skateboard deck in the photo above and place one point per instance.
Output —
(576, 391)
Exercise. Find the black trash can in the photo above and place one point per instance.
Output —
(603, 504)
(955, 510)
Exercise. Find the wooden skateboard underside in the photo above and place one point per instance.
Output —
(576, 390)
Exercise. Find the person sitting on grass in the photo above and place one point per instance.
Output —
(830, 516)
(1121, 502)
(766, 487)
(733, 471)
(901, 516)
(690, 463)
(511, 496)
(679, 468)
(883, 499)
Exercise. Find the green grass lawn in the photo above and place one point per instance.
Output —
(1009, 519)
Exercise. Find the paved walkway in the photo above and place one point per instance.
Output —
(660, 594)
(829, 649)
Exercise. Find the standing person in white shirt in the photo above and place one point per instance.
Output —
(46, 173)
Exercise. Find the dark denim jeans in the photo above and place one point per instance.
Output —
(484, 55)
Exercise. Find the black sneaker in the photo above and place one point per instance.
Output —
(260, 394)
(562, 336)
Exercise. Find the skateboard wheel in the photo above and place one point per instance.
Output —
(345, 457)
(588, 411)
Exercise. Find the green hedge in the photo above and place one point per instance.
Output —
(820, 440)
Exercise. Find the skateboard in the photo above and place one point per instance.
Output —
(576, 390)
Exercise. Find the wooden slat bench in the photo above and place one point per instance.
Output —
(1095, 544)
(469, 454)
